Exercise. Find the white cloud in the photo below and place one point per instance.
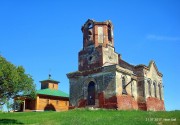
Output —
(163, 38)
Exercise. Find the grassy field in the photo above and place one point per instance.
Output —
(92, 117)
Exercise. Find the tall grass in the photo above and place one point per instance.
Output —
(92, 117)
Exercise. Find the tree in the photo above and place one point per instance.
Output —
(14, 81)
(9, 105)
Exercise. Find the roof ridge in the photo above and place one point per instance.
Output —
(52, 92)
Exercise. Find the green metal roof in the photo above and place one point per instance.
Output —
(52, 92)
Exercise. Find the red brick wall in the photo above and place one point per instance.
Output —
(122, 102)
(82, 103)
(142, 106)
(110, 103)
(126, 102)
(134, 104)
(101, 100)
(155, 104)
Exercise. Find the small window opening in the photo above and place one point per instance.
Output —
(89, 32)
(90, 58)
(90, 25)
(109, 33)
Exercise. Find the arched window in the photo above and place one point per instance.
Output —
(90, 26)
(109, 33)
(159, 91)
(90, 35)
(124, 86)
(89, 32)
(132, 89)
(149, 87)
(155, 94)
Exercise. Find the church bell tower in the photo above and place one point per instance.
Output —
(98, 45)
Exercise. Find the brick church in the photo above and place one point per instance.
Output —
(105, 80)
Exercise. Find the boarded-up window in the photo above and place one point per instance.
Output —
(100, 35)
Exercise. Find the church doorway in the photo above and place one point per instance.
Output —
(91, 93)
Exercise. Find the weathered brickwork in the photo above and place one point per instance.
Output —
(104, 80)
(155, 104)
(126, 102)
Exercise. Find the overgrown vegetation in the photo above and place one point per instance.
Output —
(92, 117)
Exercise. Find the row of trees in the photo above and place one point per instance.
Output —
(14, 81)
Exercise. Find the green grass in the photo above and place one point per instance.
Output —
(92, 117)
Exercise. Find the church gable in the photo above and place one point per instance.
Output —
(153, 70)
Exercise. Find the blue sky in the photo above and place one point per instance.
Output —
(45, 36)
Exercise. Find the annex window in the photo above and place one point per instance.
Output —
(149, 87)
(155, 94)
(124, 86)
(160, 96)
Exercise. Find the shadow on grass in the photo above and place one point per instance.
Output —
(9, 121)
